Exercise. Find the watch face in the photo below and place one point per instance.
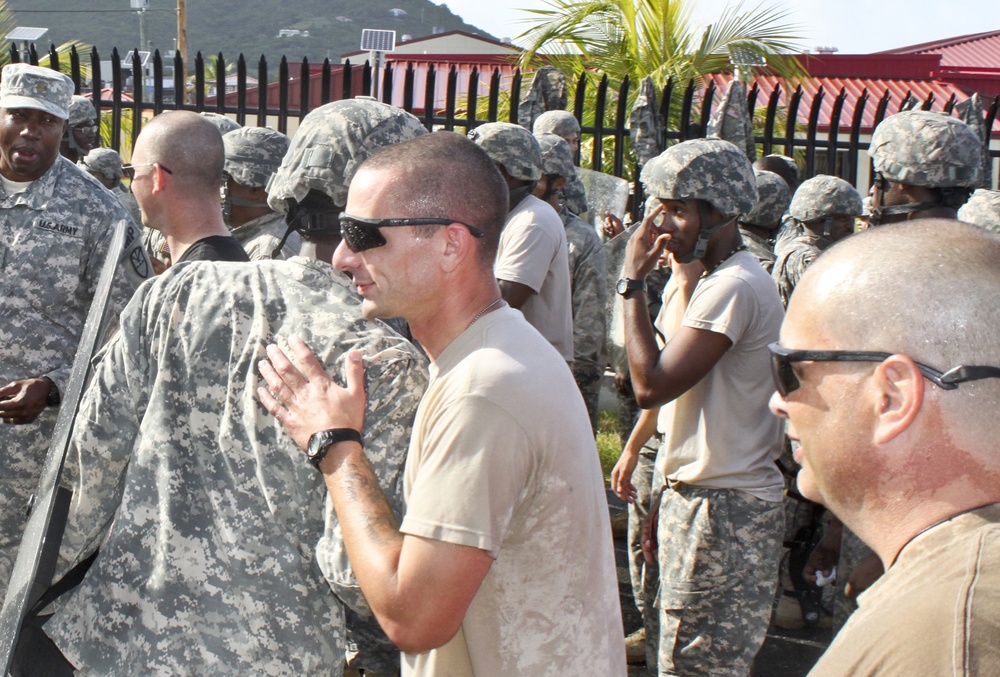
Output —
(622, 286)
(317, 444)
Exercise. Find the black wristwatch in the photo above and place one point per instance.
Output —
(626, 286)
(54, 398)
(321, 441)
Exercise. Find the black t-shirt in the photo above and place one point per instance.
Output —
(216, 248)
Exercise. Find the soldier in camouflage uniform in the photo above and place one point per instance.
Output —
(926, 166)
(211, 565)
(57, 224)
(759, 226)
(588, 273)
(82, 133)
(252, 155)
(982, 209)
(532, 260)
(563, 123)
(719, 516)
(822, 211)
(105, 165)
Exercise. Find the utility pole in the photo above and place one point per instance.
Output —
(182, 45)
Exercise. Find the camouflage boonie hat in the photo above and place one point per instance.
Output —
(27, 86)
(712, 170)
(512, 147)
(558, 122)
(105, 161)
(253, 154)
(557, 158)
(982, 209)
(331, 143)
(222, 123)
(773, 198)
(921, 148)
(81, 109)
(823, 196)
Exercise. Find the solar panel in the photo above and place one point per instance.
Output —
(143, 58)
(373, 40)
(27, 33)
(740, 55)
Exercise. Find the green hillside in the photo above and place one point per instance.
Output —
(233, 27)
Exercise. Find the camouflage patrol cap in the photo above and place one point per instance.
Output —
(81, 109)
(25, 86)
(558, 122)
(557, 158)
(823, 196)
(331, 143)
(222, 123)
(773, 198)
(104, 161)
(982, 209)
(711, 170)
(253, 154)
(921, 148)
(512, 147)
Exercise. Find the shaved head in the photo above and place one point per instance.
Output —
(189, 145)
(927, 289)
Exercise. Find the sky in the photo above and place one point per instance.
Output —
(853, 26)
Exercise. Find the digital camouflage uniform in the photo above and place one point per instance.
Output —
(252, 155)
(982, 209)
(816, 200)
(588, 281)
(54, 237)
(210, 566)
(329, 146)
(773, 198)
(718, 547)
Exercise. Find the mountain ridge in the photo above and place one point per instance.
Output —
(327, 28)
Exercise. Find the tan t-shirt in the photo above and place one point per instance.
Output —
(533, 252)
(936, 611)
(720, 433)
(502, 458)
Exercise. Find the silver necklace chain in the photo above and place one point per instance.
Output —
(483, 311)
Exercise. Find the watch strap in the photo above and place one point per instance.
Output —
(321, 441)
(626, 286)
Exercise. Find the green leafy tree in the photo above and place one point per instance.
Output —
(656, 38)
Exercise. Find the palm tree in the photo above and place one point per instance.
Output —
(639, 38)
(654, 38)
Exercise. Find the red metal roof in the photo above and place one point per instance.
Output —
(854, 87)
(975, 51)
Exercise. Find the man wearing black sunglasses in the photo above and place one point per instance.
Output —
(502, 563)
(887, 372)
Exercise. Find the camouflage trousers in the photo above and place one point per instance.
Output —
(589, 384)
(645, 577)
(719, 554)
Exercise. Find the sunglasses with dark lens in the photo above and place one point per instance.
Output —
(361, 234)
(786, 381)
